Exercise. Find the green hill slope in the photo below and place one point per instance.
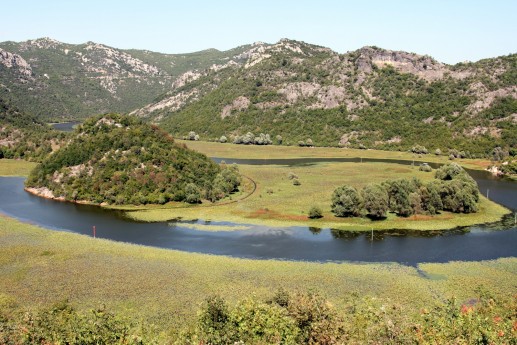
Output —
(120, 160)
(57, 81)
(23, 136)
(371, 98)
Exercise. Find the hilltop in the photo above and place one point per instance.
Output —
(115, 159)
(369, 98)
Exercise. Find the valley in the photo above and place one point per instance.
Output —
(270, 193)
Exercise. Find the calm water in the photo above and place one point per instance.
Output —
(65, 126)
(293, 243)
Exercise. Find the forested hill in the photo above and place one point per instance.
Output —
(118, 159)
(371, 98)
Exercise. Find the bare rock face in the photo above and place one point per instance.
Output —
(11, 60)
(485, 98)
(420, 65)
(240, 103)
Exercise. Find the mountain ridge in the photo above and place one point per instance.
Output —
(370, 97)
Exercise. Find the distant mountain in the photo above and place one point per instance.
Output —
(58, 81)
(369, 98)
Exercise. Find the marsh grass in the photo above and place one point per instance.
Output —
(15, 167)
(165, 288)
(228, 150)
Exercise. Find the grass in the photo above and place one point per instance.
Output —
(277, 202)
(15, 167)
(164, 287)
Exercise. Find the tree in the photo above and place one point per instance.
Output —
(376, 200)
(449, 171)
(399, 199)
(192, 194)
(430, 195)
(346, 202)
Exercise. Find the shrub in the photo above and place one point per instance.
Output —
(292, 175)
(425, 167)
(296, 182)
(192, 194)
(315, 212)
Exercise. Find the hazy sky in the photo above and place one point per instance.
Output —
(451, 31)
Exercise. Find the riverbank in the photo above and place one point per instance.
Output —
(165, 287)
(269, 197)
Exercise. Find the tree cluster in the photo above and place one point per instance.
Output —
(452, 190)
(250, 139)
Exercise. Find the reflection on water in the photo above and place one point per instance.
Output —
(293, 243)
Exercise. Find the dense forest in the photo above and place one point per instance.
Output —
(118, 159)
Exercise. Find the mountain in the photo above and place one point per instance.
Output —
(57, 81)
(118, 159)
(370, 98)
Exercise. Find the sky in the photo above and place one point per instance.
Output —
(451, 31)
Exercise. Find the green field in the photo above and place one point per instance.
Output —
(227, 150)
(162, 290)
(164, 287)
(15, 167)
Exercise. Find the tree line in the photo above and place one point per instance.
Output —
(452, 190)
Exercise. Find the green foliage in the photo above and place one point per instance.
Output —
(346, 202)
(315, 212)
(452, 190)
(376, 199)
(401, 196)
(62, 324)
(120, 160)
(25, 136)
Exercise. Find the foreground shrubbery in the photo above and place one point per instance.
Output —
(452, 190)
(286, 318)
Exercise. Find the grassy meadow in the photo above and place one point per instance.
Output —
(165, 288)
(15, 167)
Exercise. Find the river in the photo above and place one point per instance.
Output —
(291, 243)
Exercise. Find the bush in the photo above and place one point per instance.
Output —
(296, 182)
(425, 167)
(315, 212)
